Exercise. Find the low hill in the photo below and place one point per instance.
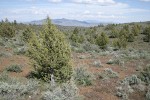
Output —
(67, 22)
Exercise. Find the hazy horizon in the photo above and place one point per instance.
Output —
(117, 11)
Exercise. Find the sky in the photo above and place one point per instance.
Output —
(119, 11)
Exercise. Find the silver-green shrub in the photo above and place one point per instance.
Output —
(82, 76)
(4, 76)
(5, 54)
(68, 91)
(116, 59)
(145, 74)
(97, 63)
(14, 68)
(124, 90)
(148, 93)
(13, 89)
(108, 73)
(132, 80)
(56, 94)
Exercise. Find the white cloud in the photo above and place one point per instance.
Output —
(87, 12)
(30, 0)
(52, 1)
(55, 1)
(145, 0)
(98, 2)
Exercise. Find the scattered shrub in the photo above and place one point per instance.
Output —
(145, 74)
(82, 57)
(4, 76)
(82, 76)
(14, 68)
(97, 64)
(110, 61)
(104, 53)
(116, 60)
(78, 49)
(2, 42)
(54, 95)
(20, 50)
(138, 68)
(132, 80)
(17, 90)
(68, 91)
(108, 73)
(124, 90)
(148, 93)
(5, 54)
(139, 87)
(22, 89)
(91, 47)
(136, 54)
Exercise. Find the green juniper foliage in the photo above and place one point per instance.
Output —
(114, 33)
(131, 37)
(75, 37)
(102, 41)
(120, 43)
(147, 34)
(27, 35)
(135, 30)
(7, 29)
(52, 53)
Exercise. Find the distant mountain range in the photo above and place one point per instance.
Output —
(68, 22)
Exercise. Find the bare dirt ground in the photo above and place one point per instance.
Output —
(15, 59)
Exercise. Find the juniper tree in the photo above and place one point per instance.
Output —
(131, 37)
(120, 43)
(135, 30)
(76, 31)
(114, 34)
(27, 35)
(102, 41)
(81, 39)
(123, 32)
(147, 34)
(52, 53)
(15, 22)
(126, 27)
(7, 29)
(74, 37)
